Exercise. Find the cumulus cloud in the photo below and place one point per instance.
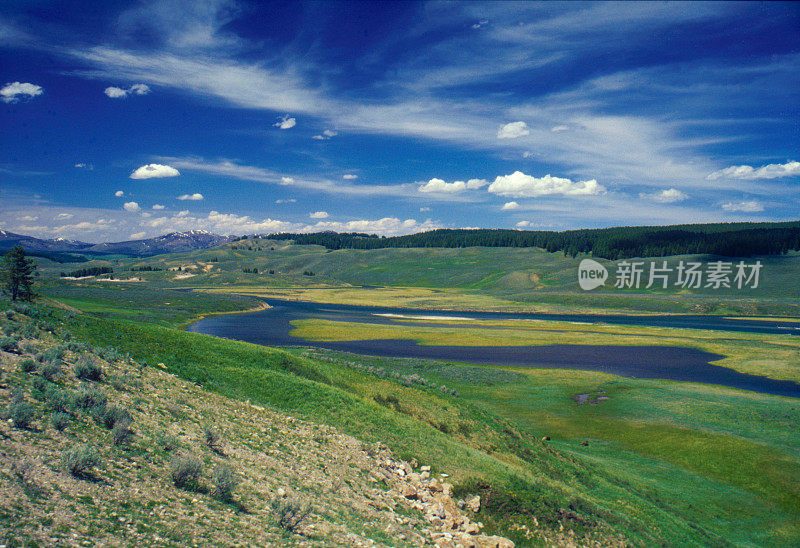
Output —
(519, 185)
(523, 224)
(668, 196)
(14, 91)
(120, 93)
(513, 130)
(319, 215)
(119, 194)
(511, 205)
(750, 206)
(285, 122)
(769, 171)
(325, 135)
(436, 185)
(349, 176)
(131, 206)
(64, 216)
(137, 235)
(192, 197)
(285, 201)
(158, 206)
(154, 170)
(287, 180)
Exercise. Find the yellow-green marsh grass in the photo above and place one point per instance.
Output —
(774, 356)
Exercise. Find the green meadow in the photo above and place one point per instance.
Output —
(653, 462)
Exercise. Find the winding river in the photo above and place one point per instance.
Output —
(272, 327)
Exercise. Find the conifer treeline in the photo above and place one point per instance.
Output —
(729, 240)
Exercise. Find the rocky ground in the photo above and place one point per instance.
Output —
(264, 479)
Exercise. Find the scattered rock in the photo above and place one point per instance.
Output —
(473, 503)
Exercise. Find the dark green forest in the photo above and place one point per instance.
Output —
(723, 239)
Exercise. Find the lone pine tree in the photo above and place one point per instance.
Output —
(16, 275)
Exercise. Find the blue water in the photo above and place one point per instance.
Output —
(272, 328)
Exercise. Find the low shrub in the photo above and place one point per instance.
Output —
(60, 420)
(121, 434)
(27, 365)
(58, 399)
(89, 398)
(80, 461)
(185, 471)
(110, 416)
(22, 413)
(52, 354)
(50, 370)
(166, 441)
(88, 370)
(290, 513)
(225, 482)
(212, 438)
(9, 344)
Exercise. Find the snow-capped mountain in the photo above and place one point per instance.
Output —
(168, 243)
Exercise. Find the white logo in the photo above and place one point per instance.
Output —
(591, 274)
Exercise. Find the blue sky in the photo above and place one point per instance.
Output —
(131, 119)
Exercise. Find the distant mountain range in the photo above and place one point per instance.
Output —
(168, 243)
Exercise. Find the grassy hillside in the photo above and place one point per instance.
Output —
(480, 278)
(99, 449)
(662, 463)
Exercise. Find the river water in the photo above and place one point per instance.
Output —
(272, 327)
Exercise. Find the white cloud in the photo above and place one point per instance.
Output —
(319, 215)
(523, 224)
(27, 218)
(138, 235)
(192, 197)
(513, 130)
(287, 180)
(285, 201)
(510, 205)
(388, 226)
(770, 171)
(557, 129)
(325, 135)
(480, 24)
(285, 122)
(115, 93)
(154, 170)
(751, 206)
(424, 209)
(439, 186)
(519, 185)
(667, 196)
(140, 89)
(158, 206)
(64, 216)
(349, 176)
(119, 194)
(476, 183)
(14, 91)
(528, 154)
(119, 93)
(131, 206)
(83, 165)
